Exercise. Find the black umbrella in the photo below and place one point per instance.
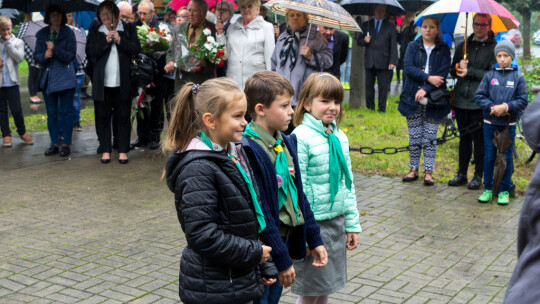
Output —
(41, 5)
(414, 5)
(365, 7)
(502, 142)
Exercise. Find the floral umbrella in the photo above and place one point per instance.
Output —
(321, 12)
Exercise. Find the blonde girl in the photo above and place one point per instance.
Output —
(214, 197)
(323, 155)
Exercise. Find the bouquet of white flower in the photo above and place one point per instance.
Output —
(208, 49)
(154, 39)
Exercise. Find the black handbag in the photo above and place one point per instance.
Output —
(438, 98)
(143, 70)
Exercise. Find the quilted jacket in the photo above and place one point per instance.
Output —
(313, 151)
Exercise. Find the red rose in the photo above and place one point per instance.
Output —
(151, 29)
(221, 63)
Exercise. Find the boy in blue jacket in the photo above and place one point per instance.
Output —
(502, 95)
(272, 155)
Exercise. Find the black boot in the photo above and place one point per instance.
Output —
(460, 179)
(475, 183)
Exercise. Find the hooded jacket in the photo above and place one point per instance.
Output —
(321, 58)
(481, 60)
(249, 48)
(220, 263)
(502, 86)
(523, 286)
(313, 151)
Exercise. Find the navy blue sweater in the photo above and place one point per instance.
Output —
(265, 175)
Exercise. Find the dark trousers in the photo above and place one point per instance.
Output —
(114, 104)
(34, 77)
(383, 83)
(167, 97)
(11, 96)
(60, 115)
(470, 142)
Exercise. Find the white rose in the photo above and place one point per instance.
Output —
(214, 51)
(207, 32)
(208, 46)
(210, 39)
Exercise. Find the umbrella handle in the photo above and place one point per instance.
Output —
(309, 31)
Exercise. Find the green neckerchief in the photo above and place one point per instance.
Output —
(336, 159)
(288, 188)
(252, 193)
(54, 35)
(258, 210)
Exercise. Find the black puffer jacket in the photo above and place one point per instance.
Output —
(481, 60)
(220, 262)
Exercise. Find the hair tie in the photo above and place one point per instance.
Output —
(324, 74)
(195, 89)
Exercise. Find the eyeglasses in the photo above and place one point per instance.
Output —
(105, 15)
(143, 13)
(481, 24)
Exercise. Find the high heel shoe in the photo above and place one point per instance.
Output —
(409, 178)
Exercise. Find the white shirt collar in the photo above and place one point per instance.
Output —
(119, 28)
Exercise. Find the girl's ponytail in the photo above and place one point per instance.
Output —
(184, 121)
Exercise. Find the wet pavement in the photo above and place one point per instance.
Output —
(74, 230)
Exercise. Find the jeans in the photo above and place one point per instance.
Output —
(11, 96)
(345, 68)
(60, 115)
(77, 99)
(272, 294)
(491, 155)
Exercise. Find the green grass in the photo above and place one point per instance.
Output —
(38, 122)
(367, 128)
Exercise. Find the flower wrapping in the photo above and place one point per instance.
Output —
(154, 39)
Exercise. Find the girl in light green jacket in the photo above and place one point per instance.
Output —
(325, 166)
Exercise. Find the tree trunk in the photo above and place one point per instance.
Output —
(357, 96)
(526, 33)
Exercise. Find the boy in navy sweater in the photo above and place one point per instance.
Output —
(272, 155)
(502, 95)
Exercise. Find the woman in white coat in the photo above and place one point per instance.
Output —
(249, 42)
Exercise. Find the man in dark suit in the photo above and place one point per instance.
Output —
(380, 39)
(338, 42)
(193, 31)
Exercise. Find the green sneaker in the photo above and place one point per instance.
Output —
(486, 196)
(347, 86)
(504, 198)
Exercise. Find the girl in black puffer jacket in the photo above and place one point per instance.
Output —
(215, 200)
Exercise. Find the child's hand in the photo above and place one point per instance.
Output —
(498, 110)
(265, 253)
(320, 256)
(352, 240)
(419, 95)
(286, 278)
(266, 281)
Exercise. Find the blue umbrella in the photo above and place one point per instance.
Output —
(84, 19)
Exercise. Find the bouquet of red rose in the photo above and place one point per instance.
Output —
(208, 49)
(154, 39)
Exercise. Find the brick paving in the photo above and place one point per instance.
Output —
(77, 231)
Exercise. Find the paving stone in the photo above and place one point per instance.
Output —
(440, 247)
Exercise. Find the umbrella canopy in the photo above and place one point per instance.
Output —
(502, 142)
(9, 12)
(321, 12)
(453, 15)
(366, 7)
(28, 30)
(80, 37)
(41, 5)
(84, 19)
(414, 5)
(176, 4)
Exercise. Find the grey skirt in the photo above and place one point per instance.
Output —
(320, 281)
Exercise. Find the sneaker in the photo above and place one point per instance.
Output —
(503, 198)
(77, 126)
(7, 141)
(347, 86)
(27, 138)
(486, 196)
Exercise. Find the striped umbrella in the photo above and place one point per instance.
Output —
(454, 16)
(321, 12)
